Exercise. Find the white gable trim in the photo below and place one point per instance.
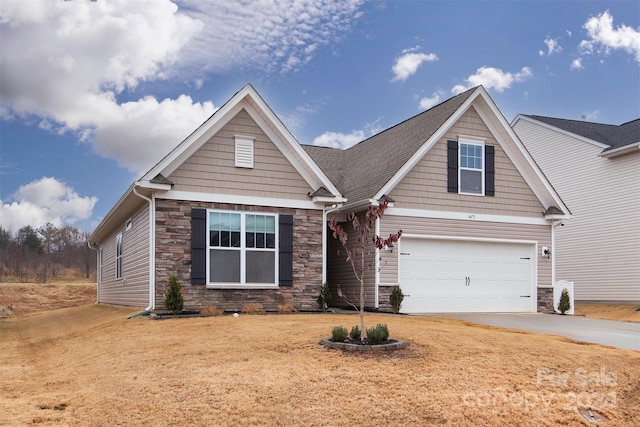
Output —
(466, 216)
(192, 196)
(419, 154)
(303, 163)
(534, 177)
(538, 182)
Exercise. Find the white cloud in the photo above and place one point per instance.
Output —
(346, 140)
(296, 119)
(407, 64)
(83, 56)
(426, 102)
(590, 115)
(576, 64)
(274, 36)
(493, 78)
(553, 46)
(604, 38)
(338, 139)
(43, 201)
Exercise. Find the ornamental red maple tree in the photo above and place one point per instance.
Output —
(362, 253)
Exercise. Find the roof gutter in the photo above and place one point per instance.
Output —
(152, 249)
(620, 150)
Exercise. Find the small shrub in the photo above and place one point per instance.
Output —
(396, 299)
(564, 304)
(356, 333)
(211, 310)
(286, 308)
(173, 298)
(339, 334)
(252, 309)
(325, 297)
(377, 334)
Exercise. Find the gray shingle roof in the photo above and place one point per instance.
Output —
(615, 136)
(361, 171)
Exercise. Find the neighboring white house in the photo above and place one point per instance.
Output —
(596, 170)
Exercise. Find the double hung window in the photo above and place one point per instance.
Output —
(471, 168)
(119, 256)
(242, 248)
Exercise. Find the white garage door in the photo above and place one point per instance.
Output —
(440, 276)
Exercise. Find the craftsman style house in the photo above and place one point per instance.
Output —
(238, 211)
(596, 170)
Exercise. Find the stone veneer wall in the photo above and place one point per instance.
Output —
(173, 256)
(545, 300)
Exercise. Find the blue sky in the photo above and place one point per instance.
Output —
(92, 94)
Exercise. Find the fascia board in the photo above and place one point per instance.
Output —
(316, 178)
(558, 130)
(417, 156)
(152, 186)
(293, 143)
(530, 171)
(620, 150)
(122, 207)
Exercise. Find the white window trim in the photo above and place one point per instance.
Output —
(460, 168)
(119, 244)
(243, 250)
(244, 152)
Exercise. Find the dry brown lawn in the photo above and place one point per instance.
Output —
(89, 365)
(624, 312)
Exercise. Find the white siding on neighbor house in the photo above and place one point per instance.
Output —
(462, 229)
(425, 186)
(133, 288)
(212, 168)
(599, 249)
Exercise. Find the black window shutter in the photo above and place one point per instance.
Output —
(285, 239)
(452, 166)
(489, 170)
(198, 246)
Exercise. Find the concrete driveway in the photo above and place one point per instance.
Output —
(608, 332)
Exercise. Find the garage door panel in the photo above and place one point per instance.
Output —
(456, 276)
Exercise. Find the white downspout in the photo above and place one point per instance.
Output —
(324, 245)
(554, 224)
(152, 248)
(377, 267)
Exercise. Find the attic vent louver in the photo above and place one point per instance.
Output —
(244, 152)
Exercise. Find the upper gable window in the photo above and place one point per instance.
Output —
(244, 152)
(471, 167)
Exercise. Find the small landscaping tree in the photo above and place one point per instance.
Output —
(564, 304)
(396, 299)
(362, 253)
(325, 297)
(173, 297)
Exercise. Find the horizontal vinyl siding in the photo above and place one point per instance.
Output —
(599, 249)
(340, 272)
(425, 186)
(133, 288)
(212, 168)
(282, 137)
(466, 229)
